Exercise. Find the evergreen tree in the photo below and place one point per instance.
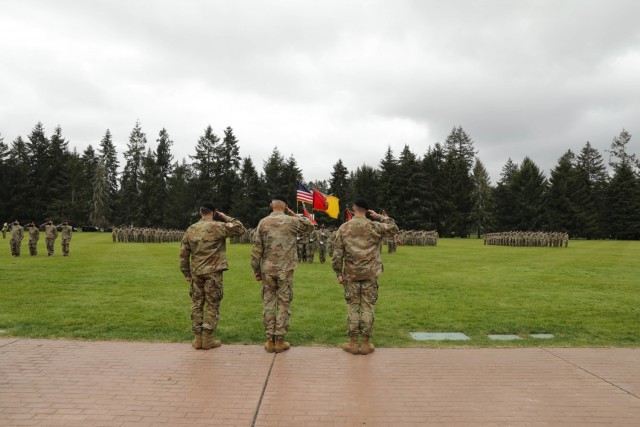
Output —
(18, 184)
(226, 170)
(529, 189)
(339, 186)
(624, 202)
(592, 177)
(483, 202)
(58, 178)
(408, 191)
(39, 174)
(152, 193)
(109, 158)
(100, 204)
(205, 165)
(280, 176)
(562, 209)
(433, 187)
(85, 195)
(618, 152)
(386, 196)
(129, 198)
(74, 206)
(458, 182)
(362, 183)
(5, 181)
(506, 217)
(182, 204)
(250, 202)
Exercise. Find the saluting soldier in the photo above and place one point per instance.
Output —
(34, 236)
(15, 241)
(66, 233)
(273, 259)
(50, 236)
(357, 263)
(203, 259)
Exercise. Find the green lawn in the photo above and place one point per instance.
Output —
(586, 295)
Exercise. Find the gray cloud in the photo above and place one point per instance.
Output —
(326, 80)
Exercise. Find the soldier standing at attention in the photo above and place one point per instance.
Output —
(357, 263)
(34, 236)
(66, 237)
(273, 259)
(203, 259)
(322, 244)
(5, 228)
(15, 241)
(50, 234)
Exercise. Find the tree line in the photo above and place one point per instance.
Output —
(447, 189)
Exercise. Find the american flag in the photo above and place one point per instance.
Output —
(303, 194)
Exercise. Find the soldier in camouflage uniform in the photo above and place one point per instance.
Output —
(34, 236)
(312, 245)
(357, 263)
(15, 241)
(66, 237)
(50, 236)
(273, 259)
(5, 228)
(203, 259)
(322, 244)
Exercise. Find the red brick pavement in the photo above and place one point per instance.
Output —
(79, 383)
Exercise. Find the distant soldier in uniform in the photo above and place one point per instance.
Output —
(66, 237)
(15, 241)
(357, 263)
(312, 246)
(203, 259)
(5, 228)
(273, 259)
(322, 244)
(50, 236)
(34, 236)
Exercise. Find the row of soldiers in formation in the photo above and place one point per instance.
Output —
(145, 235)
(528, 238)
(51, 234)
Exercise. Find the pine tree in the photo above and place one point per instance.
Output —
(227, 169)
(624, 202)
(482, 213)
(362, 183)
(59, 177)
(562, 210)
(250, 202)
(529, 189)
(109, 158)
(408, 209)
(129, 198)
(100, 204)
(506, 218)
(182, 203)
(39, 173)
(151, 192)
(433, 189)
(280, 176)
(205, 165)
(339, 186)
(386, 196)
(592, 177)
(5, 180)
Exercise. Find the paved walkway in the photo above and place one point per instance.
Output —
(78, 383)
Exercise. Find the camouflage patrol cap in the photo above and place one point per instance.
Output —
(208, 205)
(281, 198)
(361, 203)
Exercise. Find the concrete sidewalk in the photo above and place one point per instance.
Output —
(78, 383)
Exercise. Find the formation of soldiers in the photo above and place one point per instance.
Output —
(414, 238)
(145, 235)
(528, 238)
(17, 233)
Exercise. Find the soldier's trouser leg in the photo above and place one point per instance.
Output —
(361, 297)
(33, 248)
(310, 254)
(322, 255)
(15, 248)
(65, 247)
(50, 246)
(277, 294)
(206, 293)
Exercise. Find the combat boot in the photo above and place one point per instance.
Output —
(281, 345)
(208, 341)
(352, 345)
(269, 345)
(197, 342)
(367, 347)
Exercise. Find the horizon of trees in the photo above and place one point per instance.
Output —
(446, 189)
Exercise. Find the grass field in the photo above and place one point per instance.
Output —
(586, 295)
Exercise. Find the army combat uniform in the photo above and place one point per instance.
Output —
(15, 241)
(203, 258)
(274, 257)
(66, 239)
(50, 234)
(356, 257)
(34, 236)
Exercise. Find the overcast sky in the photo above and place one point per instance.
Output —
(325, 80)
